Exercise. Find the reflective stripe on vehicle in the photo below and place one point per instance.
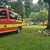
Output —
(9, 25)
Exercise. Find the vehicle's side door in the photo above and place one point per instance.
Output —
(3, 20)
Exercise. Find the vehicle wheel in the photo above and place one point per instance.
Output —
(16, 31)
(20, 28)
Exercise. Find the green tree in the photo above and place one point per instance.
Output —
(18, 7)
(43, 4)
(28, 7)
(40, 2)
(39, 16)
(48, 1)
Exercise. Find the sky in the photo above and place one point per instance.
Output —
(35, 1)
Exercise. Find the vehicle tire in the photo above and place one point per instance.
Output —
(20, 28)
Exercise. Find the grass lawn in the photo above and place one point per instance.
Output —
(26, 40)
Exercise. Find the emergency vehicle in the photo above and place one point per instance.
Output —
(9, 21)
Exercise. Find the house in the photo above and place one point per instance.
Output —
(42, 23)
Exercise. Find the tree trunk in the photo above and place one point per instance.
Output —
(48, 26)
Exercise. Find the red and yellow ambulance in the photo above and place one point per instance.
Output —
(9, 21)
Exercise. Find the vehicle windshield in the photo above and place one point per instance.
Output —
(3, 14)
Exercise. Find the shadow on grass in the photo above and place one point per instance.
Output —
(7, 34)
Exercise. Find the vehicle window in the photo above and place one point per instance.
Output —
(3, 14)
(12, 16)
